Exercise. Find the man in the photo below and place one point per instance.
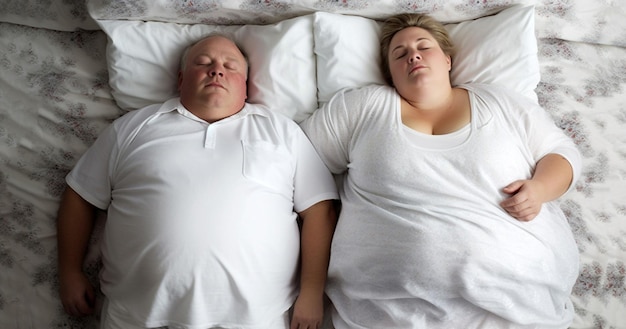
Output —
(202, 194)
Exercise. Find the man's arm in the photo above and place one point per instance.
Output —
(75, 222)
(318, 226)
(552, 178)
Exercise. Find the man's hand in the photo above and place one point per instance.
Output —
(308, 313)
(77, 294)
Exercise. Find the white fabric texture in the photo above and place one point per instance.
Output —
(498, 49)
(201, 216)
(253, 12)
(55, 99)
(143, 62)
(109, 322)
(421, 240)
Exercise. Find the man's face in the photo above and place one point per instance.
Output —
(214, 76)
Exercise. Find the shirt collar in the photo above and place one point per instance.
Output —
(174, 104)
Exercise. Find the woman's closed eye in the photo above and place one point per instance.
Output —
(399, 54)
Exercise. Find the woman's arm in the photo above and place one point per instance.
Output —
(552, 177)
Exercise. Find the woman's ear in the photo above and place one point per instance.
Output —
(449, 61)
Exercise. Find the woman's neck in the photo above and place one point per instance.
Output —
(436, 111)
(430, 99)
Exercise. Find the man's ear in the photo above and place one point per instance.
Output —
(180, 80)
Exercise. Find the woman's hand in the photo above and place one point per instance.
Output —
(553, 176)
(525, 201)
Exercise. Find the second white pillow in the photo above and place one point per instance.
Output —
(498, 49)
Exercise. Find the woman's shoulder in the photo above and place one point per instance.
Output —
(363, 94)
(489, 101)
(484, 89)
(352, 105)
(368, 89)
(496, 92)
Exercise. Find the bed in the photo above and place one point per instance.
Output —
(69, 68)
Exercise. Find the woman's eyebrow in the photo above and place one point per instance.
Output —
(418, 40)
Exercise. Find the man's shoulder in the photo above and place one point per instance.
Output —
(272, 115)
(134, 118)
(151, 109)
(267, 119)
(144, 111)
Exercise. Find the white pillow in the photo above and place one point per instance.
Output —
(143, 62)
(499, 49)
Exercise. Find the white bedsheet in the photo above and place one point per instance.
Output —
(55, 99)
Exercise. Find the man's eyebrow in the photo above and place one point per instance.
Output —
(227, 56)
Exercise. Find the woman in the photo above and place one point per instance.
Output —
(447, 219)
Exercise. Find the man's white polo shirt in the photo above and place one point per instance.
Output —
(201, 228)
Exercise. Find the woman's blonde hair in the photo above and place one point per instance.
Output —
(396, 23)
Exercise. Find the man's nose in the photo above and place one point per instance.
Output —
(216, 70)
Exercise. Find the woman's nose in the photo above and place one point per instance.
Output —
(415, 57)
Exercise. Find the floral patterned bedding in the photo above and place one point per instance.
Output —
(55, 99)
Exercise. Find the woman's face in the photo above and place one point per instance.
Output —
(415, 59)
